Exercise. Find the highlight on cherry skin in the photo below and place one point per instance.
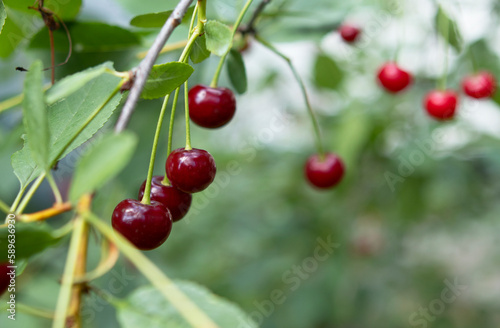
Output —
(481, 85)
(211, 107)
(441, 105)
(175, 200)
(326, 172)
(349, 32)
(190, 170)
(393, 78)
(145, 226)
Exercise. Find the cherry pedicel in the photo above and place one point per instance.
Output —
(211, 107)
(190, 170)
(324, 172)
(4, 278)
(349, 32)
(145, 226)
(481, 85)
(393, 78)
(441, 105)
(175, 200)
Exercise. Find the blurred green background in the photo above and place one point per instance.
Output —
(417, 211)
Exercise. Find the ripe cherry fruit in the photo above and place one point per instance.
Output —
(145, 226)
(393, 78)
(479, 86)
(175, 200)
(349, 32)
(211, 107)
(441, 105)
(190, 170)
(324, 172)
(4, 278)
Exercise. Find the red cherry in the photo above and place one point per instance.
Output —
(324, 172)
(190, 170)
(441, 105)
(145, 226)
(481, 85)
(349, 32)
(393, 78)
(4, 278)
(211, 107)
(176, 201)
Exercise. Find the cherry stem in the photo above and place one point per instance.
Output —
(69, 298)
(171, 131)
(4, 207)
(146, 199)
(52, 57)
(42, 313)
(55, 188)
(444, 24)
(188, 127)
(243, 11)
(30, 194)
(312, 115)
(401, 36)
(186, 307)
(64, 297)
(19, 196)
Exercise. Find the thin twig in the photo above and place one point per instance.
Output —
(250, 27)
(141, 73)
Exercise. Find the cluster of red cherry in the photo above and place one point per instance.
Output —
(188, 171)
(327, 171)
(439, 104)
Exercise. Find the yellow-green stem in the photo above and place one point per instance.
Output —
(171, 131)
(312, 115)
(444, 24)
(4, 207)
(186, 307)
(215, 79)
(186, 106)
(64, 297)
(55, 188)
(30, 194)
(146, 199)
(19, 197)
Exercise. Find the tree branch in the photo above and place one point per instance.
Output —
(141, 73)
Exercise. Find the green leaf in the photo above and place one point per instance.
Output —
(448, 29)
(87, 37)
(158, 19)
(102, 163)
(66, 118)
(165, 78)
(327, 74)
(199, 52)
(73, 83)
(35, 115)
(219, 37)
(153, 311)
(10, 38)
(66, 9)
(237, 72)
(31, 238)
(3, 15)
